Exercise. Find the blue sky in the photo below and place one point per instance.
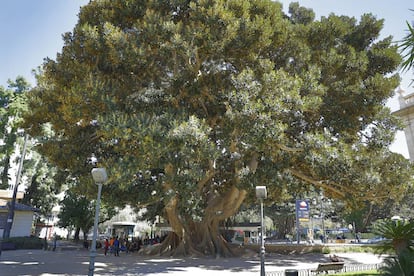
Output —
(31, 30)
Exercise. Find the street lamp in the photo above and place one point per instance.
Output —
(10, 216)
(322, 199)
(100, 177)
(261, 193)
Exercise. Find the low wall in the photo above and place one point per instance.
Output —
(290, 248)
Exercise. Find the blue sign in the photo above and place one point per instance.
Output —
(302, 210)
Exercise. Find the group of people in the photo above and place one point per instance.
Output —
(114, 245)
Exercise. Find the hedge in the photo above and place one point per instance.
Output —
(22, 243)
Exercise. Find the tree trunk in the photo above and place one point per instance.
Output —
(85, 234)
(284, 223)
(77, 231)
(400, 245)
(190, 238)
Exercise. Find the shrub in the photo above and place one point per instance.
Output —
(25, 242)
(399, 237)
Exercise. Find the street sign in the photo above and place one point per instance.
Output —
(302, 210)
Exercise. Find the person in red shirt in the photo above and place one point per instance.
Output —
(106, 246)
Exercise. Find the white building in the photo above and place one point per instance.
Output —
(406, 112)
(23, 215)
(126, 224)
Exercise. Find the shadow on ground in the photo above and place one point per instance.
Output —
(76, 262)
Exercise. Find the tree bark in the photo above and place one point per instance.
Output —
(77, 231)
(197, 238)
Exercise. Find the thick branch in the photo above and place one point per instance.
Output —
(317, 183)
(330, 185)
(222, 207)
(209, 175)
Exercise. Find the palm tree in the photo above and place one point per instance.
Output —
(407, 49)
(399, 238)
(399, 265)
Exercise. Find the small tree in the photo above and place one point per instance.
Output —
(401, 264)
(78, 212)
(399, 238)
(41, 187)
(12, 106)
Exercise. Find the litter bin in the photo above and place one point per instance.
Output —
(291, 272)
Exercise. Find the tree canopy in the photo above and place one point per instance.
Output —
(12, 106)
(191, 104)
(38, 174)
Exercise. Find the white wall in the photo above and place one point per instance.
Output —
(22, 224)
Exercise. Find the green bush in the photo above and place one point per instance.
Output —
(326, 250)
(25, 242)
(366, 248)
(290, 248)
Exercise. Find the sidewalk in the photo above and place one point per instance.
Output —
(76, 262)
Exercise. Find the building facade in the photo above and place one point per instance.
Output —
(406, 112)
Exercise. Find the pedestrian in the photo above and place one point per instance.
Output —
(358, 237)
(126, 245)
(322, 237)
(111, 244)
(116, 246)
(54, 241)
(86, 244)
(106, 246)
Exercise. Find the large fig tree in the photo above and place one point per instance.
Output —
(191, 104)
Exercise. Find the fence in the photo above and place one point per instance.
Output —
(347, 268)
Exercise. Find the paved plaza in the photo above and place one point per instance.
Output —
(76, 262)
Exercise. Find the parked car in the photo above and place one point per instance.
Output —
(377, 239)
(276, 240)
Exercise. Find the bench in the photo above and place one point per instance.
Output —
(325, 267)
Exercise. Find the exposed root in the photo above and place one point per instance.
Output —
(199, 238)
(173, 247)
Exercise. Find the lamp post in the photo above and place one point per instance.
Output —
(100, 177)
(323, 222)
(10, 216)
(261, 193)
(322, 199)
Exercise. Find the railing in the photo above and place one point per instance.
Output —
(347, 268)
(301, 272)
(361, 267)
